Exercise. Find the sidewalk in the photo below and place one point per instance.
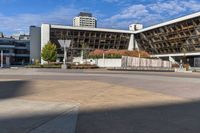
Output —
(26, 116)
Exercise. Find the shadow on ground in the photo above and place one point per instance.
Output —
(12, 89)
(24, 124)
(171, 118)
(176, 118)
(41, 123)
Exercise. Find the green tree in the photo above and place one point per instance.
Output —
(49, 52)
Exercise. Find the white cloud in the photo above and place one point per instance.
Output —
(171, 7)
(21, 22)
(146, 14)
(134, 11)
(192, 5)
(151, 13)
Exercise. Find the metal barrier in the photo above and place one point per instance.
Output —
(135, 62)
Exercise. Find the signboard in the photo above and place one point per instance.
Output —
(65, 43)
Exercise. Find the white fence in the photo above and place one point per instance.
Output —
(128, 62)
(108, 62)
(143, 62)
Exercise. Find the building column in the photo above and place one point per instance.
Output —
(1, 58)
(132, 43)
(45, 37)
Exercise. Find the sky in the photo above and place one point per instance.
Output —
(17, 15)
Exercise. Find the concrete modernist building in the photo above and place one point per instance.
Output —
(85, 20)
(170, 40)
(15, 51)
(177, 38)
(82, 37)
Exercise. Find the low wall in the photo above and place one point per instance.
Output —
(108, 62)
(143, 62)
(126, 61)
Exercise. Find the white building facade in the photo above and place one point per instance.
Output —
(85, 20)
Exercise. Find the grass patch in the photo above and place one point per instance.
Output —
(44, 66)
(83, 66)
(70, 66)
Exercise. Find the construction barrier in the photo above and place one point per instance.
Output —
(143, 62)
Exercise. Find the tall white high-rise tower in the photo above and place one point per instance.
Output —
(85, 20)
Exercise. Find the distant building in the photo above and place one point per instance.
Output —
(85, 20)
(1, 35)
(15, 51)
(21, 37)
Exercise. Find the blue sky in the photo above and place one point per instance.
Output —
(17, 15)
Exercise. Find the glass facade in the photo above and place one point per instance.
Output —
(89, 40)
(16, 51)
(178, 37)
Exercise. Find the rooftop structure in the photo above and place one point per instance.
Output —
(135, 27)
(21, 37)
(85, 14)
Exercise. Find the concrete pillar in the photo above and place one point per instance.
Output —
(1, 58)
(133, 43)
(35, 44)
(45, 37)
(8, 61)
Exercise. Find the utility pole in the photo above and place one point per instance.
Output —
(1, 58)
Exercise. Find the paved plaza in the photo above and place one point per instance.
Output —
(98, 101)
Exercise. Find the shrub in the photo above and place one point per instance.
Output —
(175, 65)
(44, 66)
(187, 66)
(37, 62)
(82, 66)
(49, 52)
(117, 53)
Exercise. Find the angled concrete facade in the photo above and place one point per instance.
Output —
(177, 38)
(91, 38)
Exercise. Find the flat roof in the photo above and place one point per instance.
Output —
(90, 29)
(180, 19)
